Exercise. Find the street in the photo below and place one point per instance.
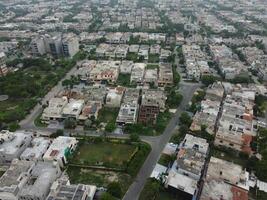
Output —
(187, 90)
(157, 143)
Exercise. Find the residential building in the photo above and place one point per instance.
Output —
(187, 169)
(36, 149)
(225, 180)
(3, 68)
(12, 144)
(138, 72)
(39, 181)
(165, 74)
(114, 97)
(105, 71)
(60, 149)
(37, 46)
(153, 101)
(54, 109)
(70, 45)
(73, 108)
(61, 189)
(129, 108)
(13, 180)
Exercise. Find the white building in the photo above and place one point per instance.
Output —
(36, 149)
(70, 45)
(38, 46)
(73, 108)
(12, 144)
(114, 97)
(39, 181)
(63, 188)
(59, 149)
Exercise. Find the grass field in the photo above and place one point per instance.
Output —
(106, 154)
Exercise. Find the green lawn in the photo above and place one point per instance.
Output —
(104, 154)
(124, 80)
(108, 114)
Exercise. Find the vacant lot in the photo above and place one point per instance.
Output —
(108, 114)
(103, 154)
(99, 178)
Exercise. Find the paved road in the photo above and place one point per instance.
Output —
(187, 90)
(157, 143)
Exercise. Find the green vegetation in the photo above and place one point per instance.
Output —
(195, 101)
(150, 129)
(106, 154)
(26, 86)
(70, 123)
(108, 114)
(155, 190)
(138, 159)
(260, 105)
(174, 98)
(152, 66)
(124, 80)
(132, 56)
(38, 122)
(114, 189)
(208, 79)
(107, 162)
(153, 58)
(166, 159)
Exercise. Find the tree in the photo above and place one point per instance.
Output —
(70, 123)
(185, 119)
(114, 189)
(59, 132)
(134, 137)
(208, 79)
(110, 127)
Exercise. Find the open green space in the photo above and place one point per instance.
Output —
(100, 161)
(104, 154)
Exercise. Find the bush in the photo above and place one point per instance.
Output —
(107, 196)
(110, 127)
(134, 137)
(137, 161)
(114, 189)
(185, 119)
